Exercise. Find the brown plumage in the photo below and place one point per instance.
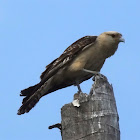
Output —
(88, 53)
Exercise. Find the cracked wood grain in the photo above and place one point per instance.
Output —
(96, 118)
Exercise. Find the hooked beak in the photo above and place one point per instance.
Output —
(122, 39)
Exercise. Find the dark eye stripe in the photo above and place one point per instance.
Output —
(113, 35)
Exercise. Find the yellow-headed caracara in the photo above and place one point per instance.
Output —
(79, 62)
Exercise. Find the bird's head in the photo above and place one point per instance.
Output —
(108, 42)
(111, 37)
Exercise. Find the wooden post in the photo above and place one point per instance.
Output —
(96, 118)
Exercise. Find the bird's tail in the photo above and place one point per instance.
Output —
(28, 92)
(31, 98)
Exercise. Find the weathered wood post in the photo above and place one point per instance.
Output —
(96, 118)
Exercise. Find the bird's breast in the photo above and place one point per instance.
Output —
(88, 59)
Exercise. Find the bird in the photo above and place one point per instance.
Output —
(79, 62)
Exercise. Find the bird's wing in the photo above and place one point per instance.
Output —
(31, 94)
(67, 56)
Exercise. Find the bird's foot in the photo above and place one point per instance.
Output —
(99, 76)
(76, 101)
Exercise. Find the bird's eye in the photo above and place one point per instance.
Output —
(113, 35)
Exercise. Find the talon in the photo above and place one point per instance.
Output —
(100, 75)
(93, 79)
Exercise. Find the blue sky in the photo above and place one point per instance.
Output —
(35, 32)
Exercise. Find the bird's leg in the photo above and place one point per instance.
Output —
(94, 73)
(78, 86)
(77, 95)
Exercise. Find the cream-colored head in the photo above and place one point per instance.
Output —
(112, 37)
(108, 42)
